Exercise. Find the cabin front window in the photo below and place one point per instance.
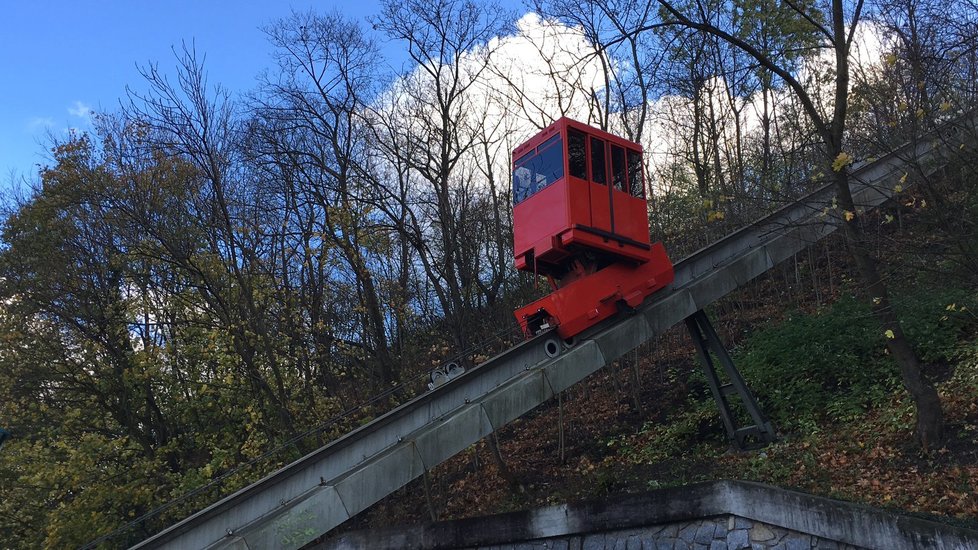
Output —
(538, 169)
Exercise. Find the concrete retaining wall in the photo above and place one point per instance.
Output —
(707, 516)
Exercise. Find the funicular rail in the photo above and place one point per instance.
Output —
(318, 492)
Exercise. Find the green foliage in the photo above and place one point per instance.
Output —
(676, 438)
(934, 319)
(833, 365)
(812, 366)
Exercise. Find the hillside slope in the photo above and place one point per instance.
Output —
(811, 353)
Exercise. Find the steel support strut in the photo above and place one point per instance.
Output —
(755, 435)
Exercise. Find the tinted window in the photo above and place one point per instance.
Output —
(532, 172)
(521, 177)
(635, 174)
(576, 155)
(618, 167)
(598, 168)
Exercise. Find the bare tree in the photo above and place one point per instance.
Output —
(429, 133)
(189, 120)
(311, 137)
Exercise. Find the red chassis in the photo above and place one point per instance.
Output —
(585, 302)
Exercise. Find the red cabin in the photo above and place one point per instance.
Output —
(580, 218)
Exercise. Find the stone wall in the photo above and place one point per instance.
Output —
(729, 532)
(705, 516)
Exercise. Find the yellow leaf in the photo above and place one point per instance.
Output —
(877, 300)
(848, 215)
(904, 178)
(920, 113)
(841, 161)
(903, 106)
(890, 59)
(898, 189)
(923, 203)
(946, 106)
(951, 307)
(889, 218)
(889, 334)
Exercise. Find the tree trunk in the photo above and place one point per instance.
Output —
(929, 431)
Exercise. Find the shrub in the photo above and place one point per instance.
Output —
(834, 365)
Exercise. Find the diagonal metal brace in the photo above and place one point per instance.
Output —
(758, 434)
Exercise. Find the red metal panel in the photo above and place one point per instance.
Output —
(542, 216)
(578, 209)
(600, 202)
(631, 217)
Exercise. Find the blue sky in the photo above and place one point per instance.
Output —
(61, 59)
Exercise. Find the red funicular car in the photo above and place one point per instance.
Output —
(580, 218)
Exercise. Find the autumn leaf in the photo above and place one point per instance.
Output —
(841, 161)
(848, 215)
(889, 334)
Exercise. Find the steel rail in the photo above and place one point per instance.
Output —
(309, 497)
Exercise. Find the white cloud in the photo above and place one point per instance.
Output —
(39, 123)
(81, 111)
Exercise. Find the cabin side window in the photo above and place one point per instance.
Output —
(538, 169)
(635, 181)
(598, 169)
(618, 167)
(576, 154)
